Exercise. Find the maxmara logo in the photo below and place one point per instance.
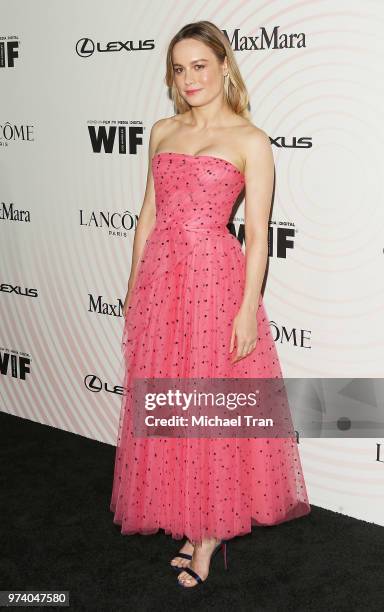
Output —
(117, 136)
(10, 213)
(85, 47)
(273, 39)
(101, 306)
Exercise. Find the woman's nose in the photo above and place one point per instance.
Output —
(188, 78)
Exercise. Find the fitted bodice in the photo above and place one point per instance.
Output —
(194, 197)
(196, 191)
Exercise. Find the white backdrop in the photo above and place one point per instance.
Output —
(70, 200)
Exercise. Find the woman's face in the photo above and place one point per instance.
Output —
(198, 75)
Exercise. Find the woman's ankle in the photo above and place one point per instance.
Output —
(208, 542)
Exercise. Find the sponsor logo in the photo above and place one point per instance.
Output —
(85, 47)
(267, 39)
(10, 213)
(15, 364)
(9, 51)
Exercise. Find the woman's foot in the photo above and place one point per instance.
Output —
(201, 559)
(180, 561)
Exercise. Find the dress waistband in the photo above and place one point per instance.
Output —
(204, 229)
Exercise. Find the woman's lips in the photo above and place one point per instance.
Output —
(191, 91)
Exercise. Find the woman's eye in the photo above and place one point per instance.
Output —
(178, 70)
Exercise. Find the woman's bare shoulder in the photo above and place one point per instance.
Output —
(162, 127)
(251, 131)
(255, 138)
(249, 141)
(256, 148)
(161, 124)
(170, 121)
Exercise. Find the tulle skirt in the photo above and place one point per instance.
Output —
(179, 325)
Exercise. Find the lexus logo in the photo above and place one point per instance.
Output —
(94, 383)
(85, 47)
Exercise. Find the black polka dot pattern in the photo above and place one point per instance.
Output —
(188, 289)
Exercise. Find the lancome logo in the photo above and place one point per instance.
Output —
(85, 47)
(296, 337)
(10, 213)
(118, 136)
(272, 40)
(118, 223)
(15, 132)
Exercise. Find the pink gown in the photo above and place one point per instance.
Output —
(188, 289)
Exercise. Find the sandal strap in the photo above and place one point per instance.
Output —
(192, 573)
(184, 555)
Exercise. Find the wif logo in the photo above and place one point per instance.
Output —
(280, 239)
(14, 364)
(120, 138)
(9, 51)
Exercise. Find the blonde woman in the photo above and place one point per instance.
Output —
(194, 309)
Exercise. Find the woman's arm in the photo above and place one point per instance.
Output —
(147, 216)
(259, 177)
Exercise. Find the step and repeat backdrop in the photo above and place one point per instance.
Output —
(81, 85)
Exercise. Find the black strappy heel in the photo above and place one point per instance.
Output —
(195, 575)
(183, 555)
(178, 568)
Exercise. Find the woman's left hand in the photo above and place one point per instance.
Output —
(244, 330)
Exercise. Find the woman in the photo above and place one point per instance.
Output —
(194, 309)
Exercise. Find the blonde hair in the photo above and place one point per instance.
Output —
(234, 87)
